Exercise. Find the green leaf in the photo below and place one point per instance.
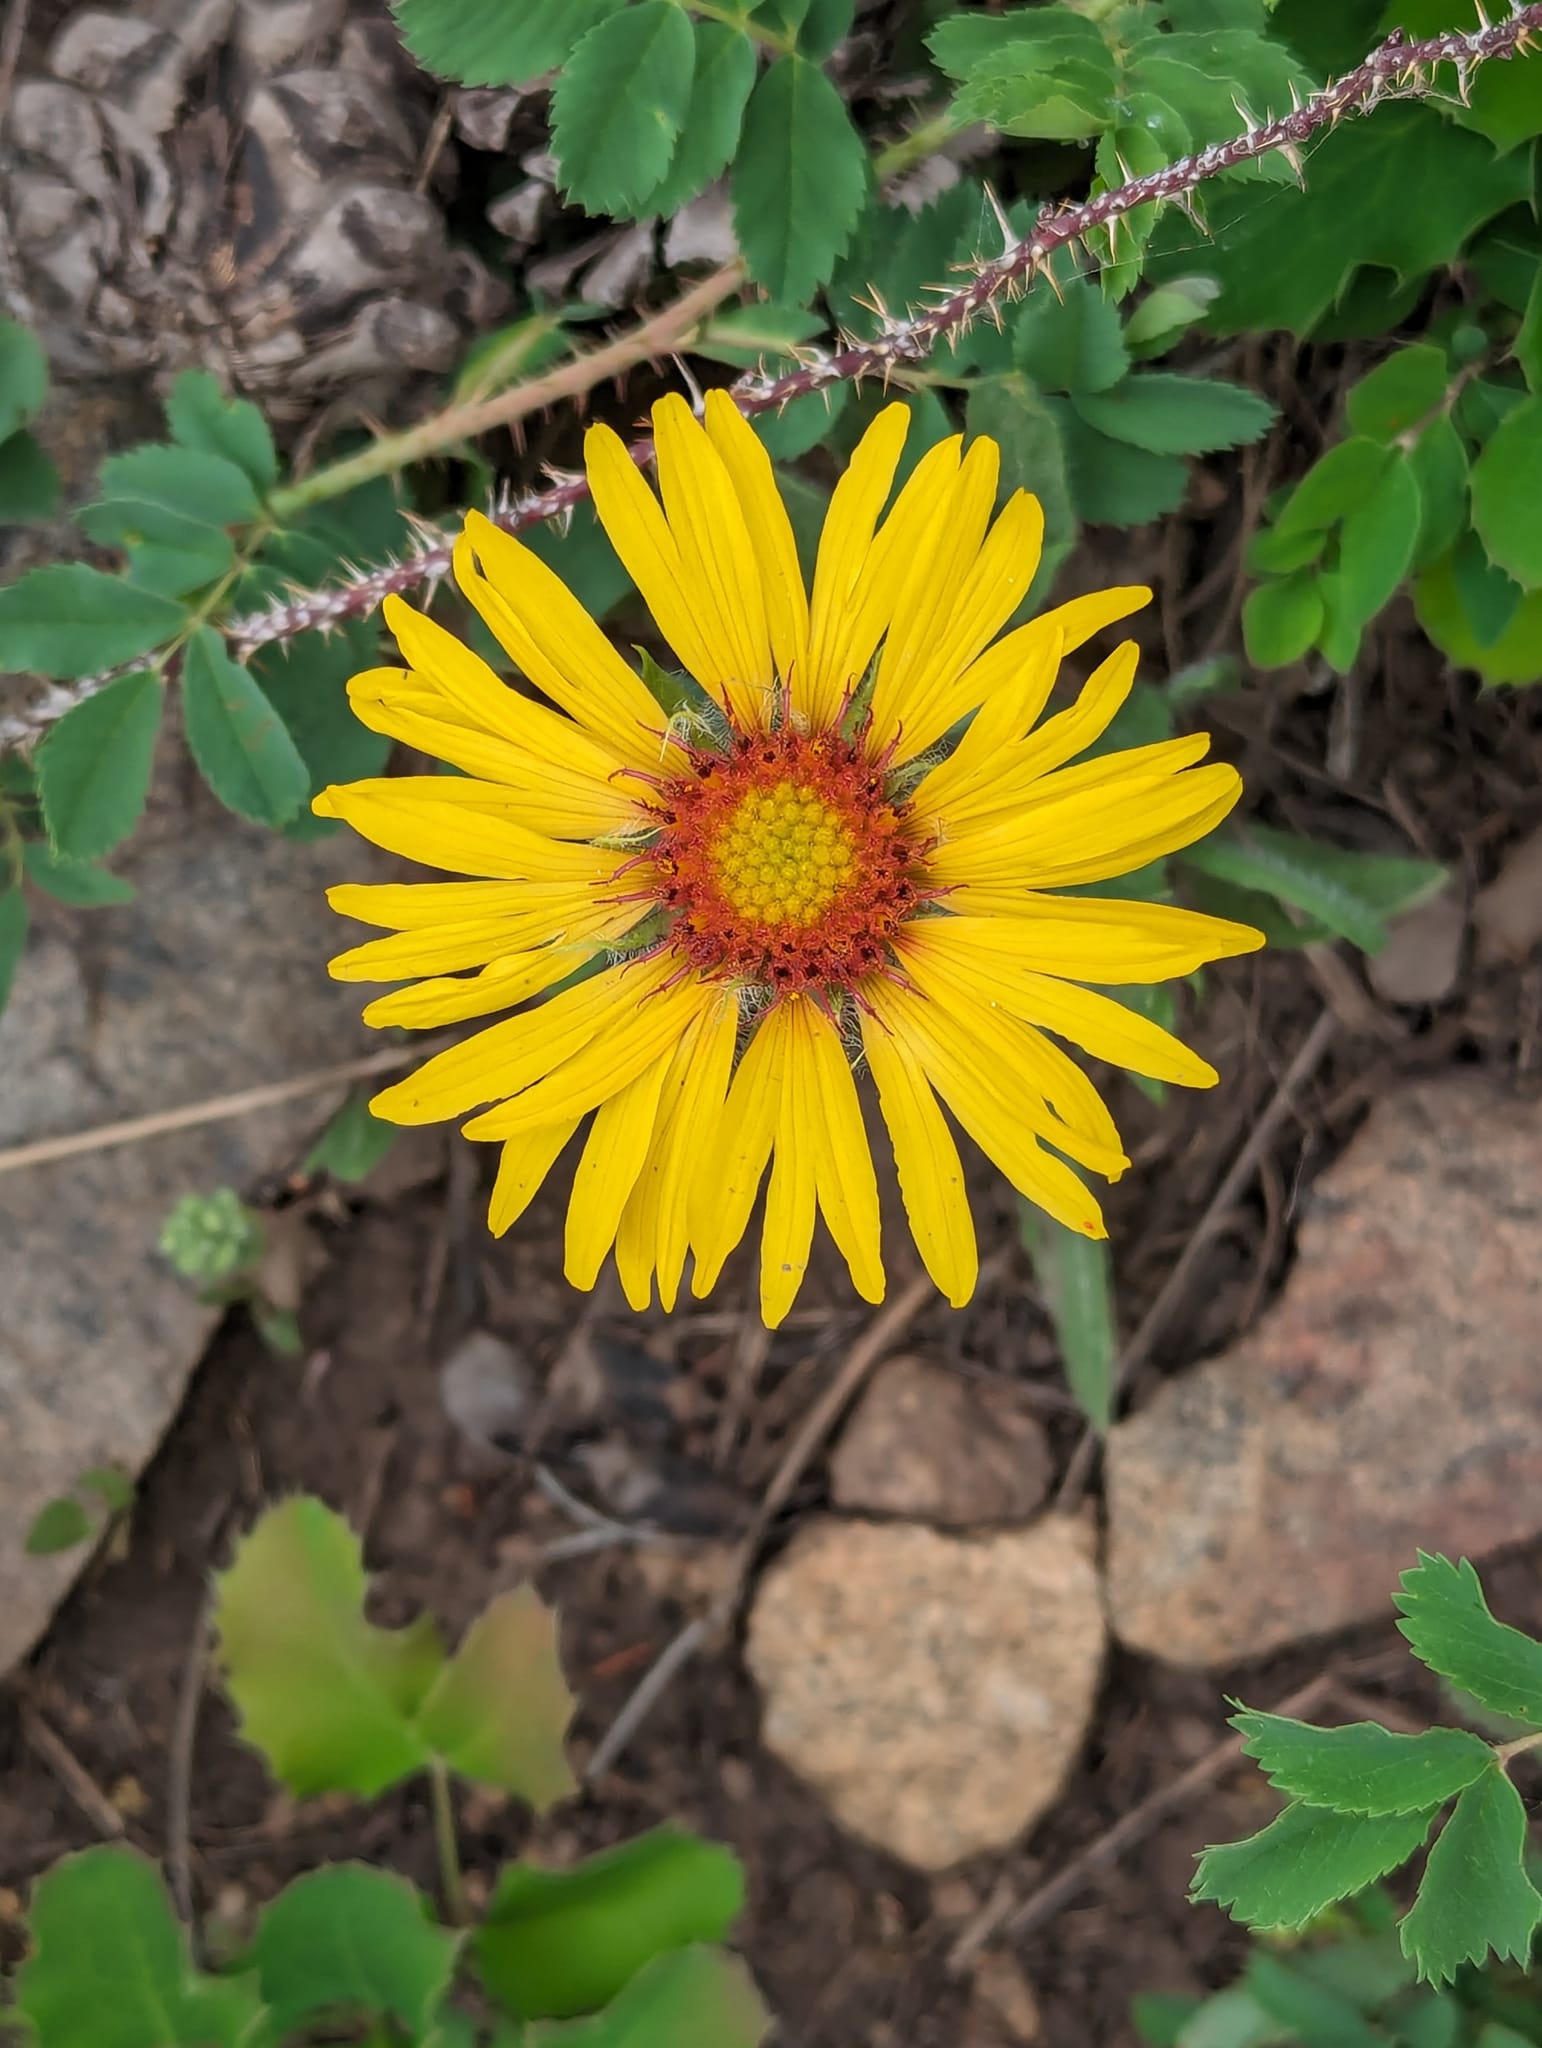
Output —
(1399, 393)
(1527, 347)
(110, 1968)
(1052, 76)
(1504, 494)
(325, 1695)
(1488, 596)
(353, 1143)
(1337, 484)
(67, 620)
(558, 1942)
(1449, 1627)
(1362, 1768)
(79, 883)
(494, 42)
(29, 482)
(1170, 415)
(1312, 2012)
(1281, 621)
(13, 939)
(498, 1711)
(1514, 656)
(347, 1942)
(93, 769)
(1376, 545)
(1475, 1895)
(799, 180)
(709, 133)
(202, 417)
(23, 377)
(1167, 312)
(1076, 1278)
(1159, 2017)
(694, 1999)
(1272, 553)
(1113, 484)
(237, 738)
(167, 553)
(206, 488)
(113, 1486)
(1306, 1860)
(306, 682)
(1072, 343)
(1439, 463)
(1033, 457)
(1404, 192)
(803, 423)
(58, 1525)
(618, 104)
(1351, 893)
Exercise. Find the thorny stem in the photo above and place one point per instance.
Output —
(1395, 69)
(446, 1846)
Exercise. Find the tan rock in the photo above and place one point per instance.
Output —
(1423, 954)
(1391, 1399)
(1005, 1994)
(936, 1447)
(935, 1689)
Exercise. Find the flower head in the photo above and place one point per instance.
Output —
(841, 847)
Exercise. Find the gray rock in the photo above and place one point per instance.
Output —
(935, 1689)
(1423, 954)
(1390, 1400)
(486, 1389)
(936, 1447)
(213, 980)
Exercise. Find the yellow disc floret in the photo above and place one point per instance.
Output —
(783, 856)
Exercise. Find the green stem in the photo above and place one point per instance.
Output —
(445, 1843)
(923, 140)
(1505, 1750)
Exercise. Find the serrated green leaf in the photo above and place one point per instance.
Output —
(201, 417)
(1076, 1278)
(348, 1942)
(1449, 1627)
(491, 42)
(327, 1697)
(618, 105)
(353, 1143)
(237, 738)
(29, 482)
(1439, 462)
(1113, 484)
(79, 883)
(1526, 350)
(1515, 656)
(1362, 1768)
(1399, 393)
(1167, 312)
(110, 1967)
(823, 25)
(1061, 91)
(93, 769)
(1504, 494)
(558, 1942)
(306, 681)
(499, 1709)
(1033, 455)
(58, 1525)
(13, 939)
(803, 423)
(167, 553)
(799, 180)
(68, 620)
(1171, 415)
(1351, 893)
(1312, 2012)
(207, 488)
(1475, 1896)
(1335, 485)
(1377, 541)
(695, 1999)
(1404, 193)
(1306, 1860)
(1489, 598)
(23, 377)
(1072, 343)
(709, 131)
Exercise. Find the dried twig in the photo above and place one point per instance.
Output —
(72, 1775)
(1308, 1057)
(1396, 69)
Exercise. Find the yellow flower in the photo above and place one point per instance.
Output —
(806, 868)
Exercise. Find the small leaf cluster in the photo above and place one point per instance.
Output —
(219, 1246)
(1433, 481)
(28, 860)
(99, 1497)
(653, 99)
(614, 1951)
(1363, 1801)
(29, 483)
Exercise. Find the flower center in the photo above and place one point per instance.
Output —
(782, 862)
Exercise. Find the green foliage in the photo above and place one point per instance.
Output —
(203, 419)
(620, 100)
(211, 1239)
(558, 1942)
(353, 1143)
(721, 80)
(694, 1998)
(1365, 1800)
(67, 1520)
(799, 179)
(1504, 494)
(1336, 890)
(67, 620)
(237, 738)
(93, 769)
(1075, 1276)
(29, 483)
(348, 1942)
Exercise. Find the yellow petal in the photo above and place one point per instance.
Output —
(788, 1230)
(1077, 620)
(1012, 794)
(418, 906)
(456, 998)
(771, 537)
(525, 1163)
(931, 1176)
(547, 633)
(717, 559)
(443, 949)
(1108, 1031)
(608, 1168)
(723, 1192)
(1099, 939)
(850, 522)
(843, 1160)
(443, 833)
(1013, 703)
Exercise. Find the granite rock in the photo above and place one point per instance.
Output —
(936, 1447)
(934, 1689)
(1389, 1400)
